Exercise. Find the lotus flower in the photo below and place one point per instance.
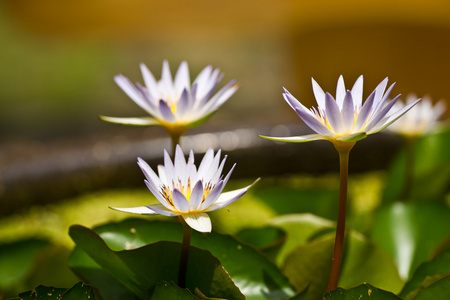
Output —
(421, 119)
(183, 190)
(346, 118)
(175, 104)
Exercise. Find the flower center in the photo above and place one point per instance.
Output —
(186, 190)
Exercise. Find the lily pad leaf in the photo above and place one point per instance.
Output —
(251, 271)
(410, 232)
(141, 268)
(79, 291)
(170, 291)
(310, 263)
(361, 292)
(433, 287)
(438, 265)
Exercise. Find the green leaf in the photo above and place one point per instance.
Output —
(433, 287)
(299, 228)
(410, 232)
(363, 261)
(79, 291)
(438, 265)
(362, 292)
(141, 268)
(431, 169)
(170, 291)
(262, 238)
(251, 271)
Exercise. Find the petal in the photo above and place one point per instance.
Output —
(213, 195)
(219, 98)
(218, 173)
(157, 193)
(148, 172)
(319, 94)
(214, 165)
(295, 139)
(205, 163)
(202, 81)
(348, 112)
(182, 79)
(168, 166)
(196, 196)
(159, 209)
(313, 122)
(166, 112)
(141, 210)
(198, 221)
(149, 79)
(180, 201)
(392, 118)
(364, 113)
(183, 105)
(357, 91)
(180, 169)
(333, 114)
(131, 91)
(166, 84)
(340, 92)
(291, 100)
(229, 197)
(376, 119)
(142, 121)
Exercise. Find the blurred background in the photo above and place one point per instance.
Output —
(58, 60)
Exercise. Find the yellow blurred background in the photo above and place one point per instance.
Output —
(58, 58)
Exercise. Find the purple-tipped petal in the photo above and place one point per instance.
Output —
(159, 209)
(196, 196)
(333, 114)
(348, 112)
(149, 79)
(148, 172)
(166, 112)
(156, 191)
(198, 221)
(131, 91)
(140, 210)
(229, 197)
(365, 112)
(184, 105)
(392, 118)
(375, 120)
(168, 165)
(313, 123)
(180, 201)
(291, 100)
(213, 195)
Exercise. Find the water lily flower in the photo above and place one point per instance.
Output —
(346, 118)
(175, 104)
(183, 190)
(421, 119)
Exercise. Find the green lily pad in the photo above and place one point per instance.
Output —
(433, 287)
(309, 265)
(170, 291)
(362, 292)
(141, 268)
(438, 265)
(251, 271)
(79, 291)
(410, 232)
(299, 228)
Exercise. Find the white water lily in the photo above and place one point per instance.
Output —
(175, 104)
(183, 190)
(346, 118)
(421, 119)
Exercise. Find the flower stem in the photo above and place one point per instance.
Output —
(409, 168)
(344, 151)
(187, 233)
